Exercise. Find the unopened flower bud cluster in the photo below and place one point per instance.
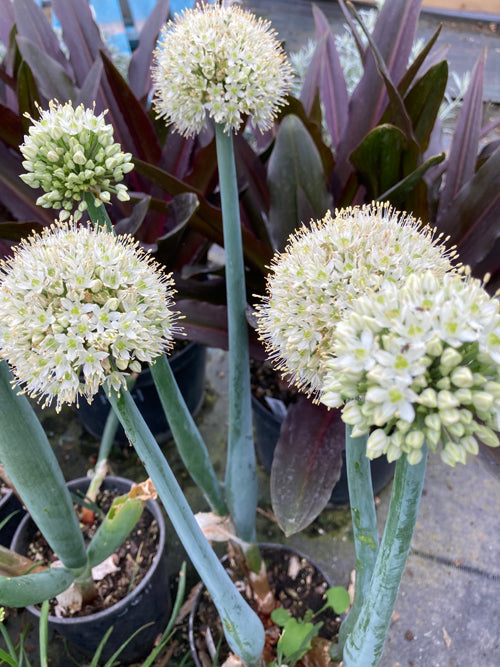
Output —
(322, 272)
(80, 309)
(69, 152)
(421, 364)
(219, 62)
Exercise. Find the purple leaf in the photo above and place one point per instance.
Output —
(80, 33)
(306, 464)
(325, 74)
(370, 95)
(8, 19)
(32, 23)
(139, 71)
(52, 80)
(472, 219)
(464, 146)
(17, 197)
(140, 129)
(88, 92)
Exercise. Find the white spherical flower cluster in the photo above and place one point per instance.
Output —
(80, 309)
(70, 152)
(220, 62)
(421, 363)
(324, 269)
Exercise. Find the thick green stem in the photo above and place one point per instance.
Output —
(364, 524)
(365, 643)
(242, 627)
(240, 466)
(190, 444)
(107, 439)
(32, 467)
(97, 214)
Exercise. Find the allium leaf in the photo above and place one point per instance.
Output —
(306, 464)
(34, 588)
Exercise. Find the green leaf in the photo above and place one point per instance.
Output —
(188, 439)
(397, 194)
(28, 97)
(120, 520)
(296, 637)
(338, 599)
(6, 658)
(34, 588)
(378, 159)
(242, 626)
(424, 100)
(280, 616)
(296, 181)
(32, 466)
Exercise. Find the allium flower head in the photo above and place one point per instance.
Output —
(421, 363)
(70, 152)
(79, 309)
(322, 272)
(220, 62)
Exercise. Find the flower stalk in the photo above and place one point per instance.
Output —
(364, 524)
(365, 642)
(240, 466)
(243, 629)
(190, 445)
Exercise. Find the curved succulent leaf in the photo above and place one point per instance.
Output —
(117, 525)
(34, 588)
(31, 464)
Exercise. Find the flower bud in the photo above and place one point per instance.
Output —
(462, 377)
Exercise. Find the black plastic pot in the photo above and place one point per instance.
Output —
(188, 367)
(149, 602)
(10, 505)
(280, 554)
(267, 427)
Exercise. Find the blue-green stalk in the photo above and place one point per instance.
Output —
(190, 444)
(98, 214)
(242, 627)
(365, 643)
(240, 465)
(364, 525)
(31, 465)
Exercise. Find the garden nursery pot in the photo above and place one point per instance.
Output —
(149, 602)
(188, 366)
(267, 430)
(298, 584)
